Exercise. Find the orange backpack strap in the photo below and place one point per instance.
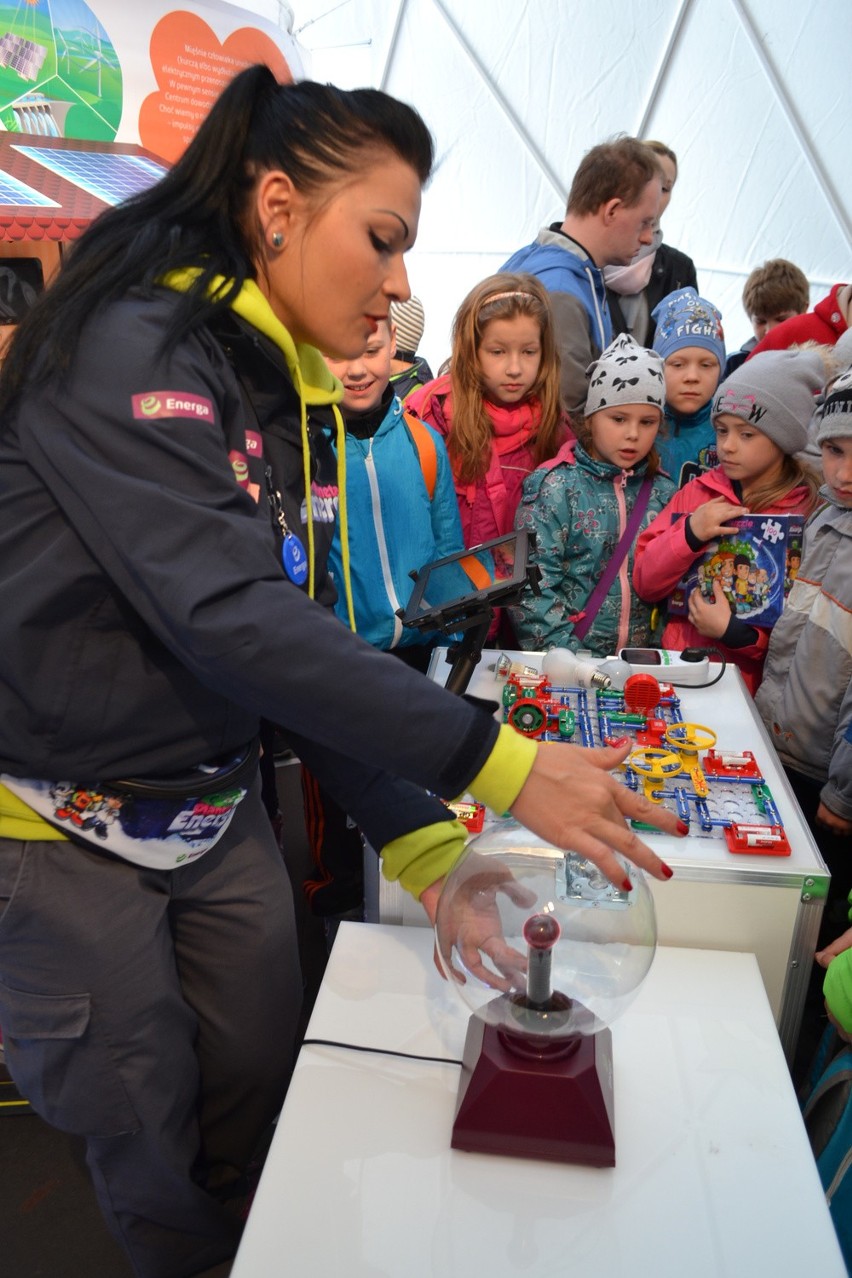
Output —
(424, 442)
(477, 573)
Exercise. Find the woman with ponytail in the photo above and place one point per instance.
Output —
(167, 493)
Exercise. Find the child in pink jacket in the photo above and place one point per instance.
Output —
(761, 415)
(499, 408)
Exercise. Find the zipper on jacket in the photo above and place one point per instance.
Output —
(620, 486)
(598, 314)
(379, 528)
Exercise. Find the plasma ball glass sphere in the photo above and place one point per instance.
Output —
(545, 929)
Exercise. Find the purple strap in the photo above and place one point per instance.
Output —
(583, 620)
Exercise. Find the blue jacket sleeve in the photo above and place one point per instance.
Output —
(383, 806)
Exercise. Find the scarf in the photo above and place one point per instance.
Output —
(636, 276)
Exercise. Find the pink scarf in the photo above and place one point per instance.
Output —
(512, 428)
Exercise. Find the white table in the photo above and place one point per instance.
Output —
(770, 906)
(714, 1176)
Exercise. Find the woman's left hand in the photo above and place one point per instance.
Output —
(710, 619)
(470, 923)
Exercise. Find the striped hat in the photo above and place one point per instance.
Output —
(409, 319)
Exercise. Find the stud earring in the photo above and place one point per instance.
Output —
(276, 239)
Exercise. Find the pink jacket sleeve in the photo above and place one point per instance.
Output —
(663, 554)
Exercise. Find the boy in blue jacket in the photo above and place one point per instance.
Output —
(398, 511)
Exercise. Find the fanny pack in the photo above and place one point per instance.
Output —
(156, 822)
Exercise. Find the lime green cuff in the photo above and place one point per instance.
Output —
(837, 988)
(422, 857)
(502, 778)
(19, 821)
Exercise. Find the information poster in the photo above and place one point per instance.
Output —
(138, 71)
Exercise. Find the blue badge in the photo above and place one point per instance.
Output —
(294, 559)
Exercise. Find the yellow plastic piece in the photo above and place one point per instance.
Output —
(688, 739)
(699, 783)
(654, 766)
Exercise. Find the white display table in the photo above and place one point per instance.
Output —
(765, 905)
(714, 1176)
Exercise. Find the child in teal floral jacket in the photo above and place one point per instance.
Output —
(587, 506)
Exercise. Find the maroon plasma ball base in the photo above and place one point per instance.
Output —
(534, 1098)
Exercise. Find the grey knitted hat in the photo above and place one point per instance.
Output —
(835, 419)
(774, 392)
(626, 373)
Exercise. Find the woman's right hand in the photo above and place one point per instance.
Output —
(712, 519)
(571, 799)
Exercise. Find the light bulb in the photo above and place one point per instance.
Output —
(619, 672)
(565, 669)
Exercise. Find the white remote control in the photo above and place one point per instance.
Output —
(687, 669)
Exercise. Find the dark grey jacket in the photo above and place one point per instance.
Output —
(147, 622)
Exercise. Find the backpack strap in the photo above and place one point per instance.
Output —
(583, 620)
(477, 574)
(424, 442)
(427, 451)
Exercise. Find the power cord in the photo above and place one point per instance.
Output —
(378, 1051)
(697, 654)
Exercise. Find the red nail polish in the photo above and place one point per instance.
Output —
(627, 886)
(620, 741)
(666, 869)
(682, 827)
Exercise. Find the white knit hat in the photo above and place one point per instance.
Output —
(835, 415)
(626, 373)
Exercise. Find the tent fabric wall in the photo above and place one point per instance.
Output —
(753, 95)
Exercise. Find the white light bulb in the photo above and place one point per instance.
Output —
(565, 669)
(618, 671)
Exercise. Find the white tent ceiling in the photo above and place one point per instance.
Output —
(755, 96)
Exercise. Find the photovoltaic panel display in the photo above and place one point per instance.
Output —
(12, 191)
(109, 177)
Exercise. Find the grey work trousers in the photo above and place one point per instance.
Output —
(154, 1013)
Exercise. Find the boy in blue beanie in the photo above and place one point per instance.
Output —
(690, 340)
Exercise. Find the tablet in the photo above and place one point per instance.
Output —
(470, 582)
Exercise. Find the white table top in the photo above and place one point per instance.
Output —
(714, 1174)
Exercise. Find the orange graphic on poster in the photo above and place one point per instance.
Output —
(192, 66)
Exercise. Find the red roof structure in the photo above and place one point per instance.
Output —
(59, 190)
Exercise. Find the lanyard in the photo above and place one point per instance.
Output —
(293, 557)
